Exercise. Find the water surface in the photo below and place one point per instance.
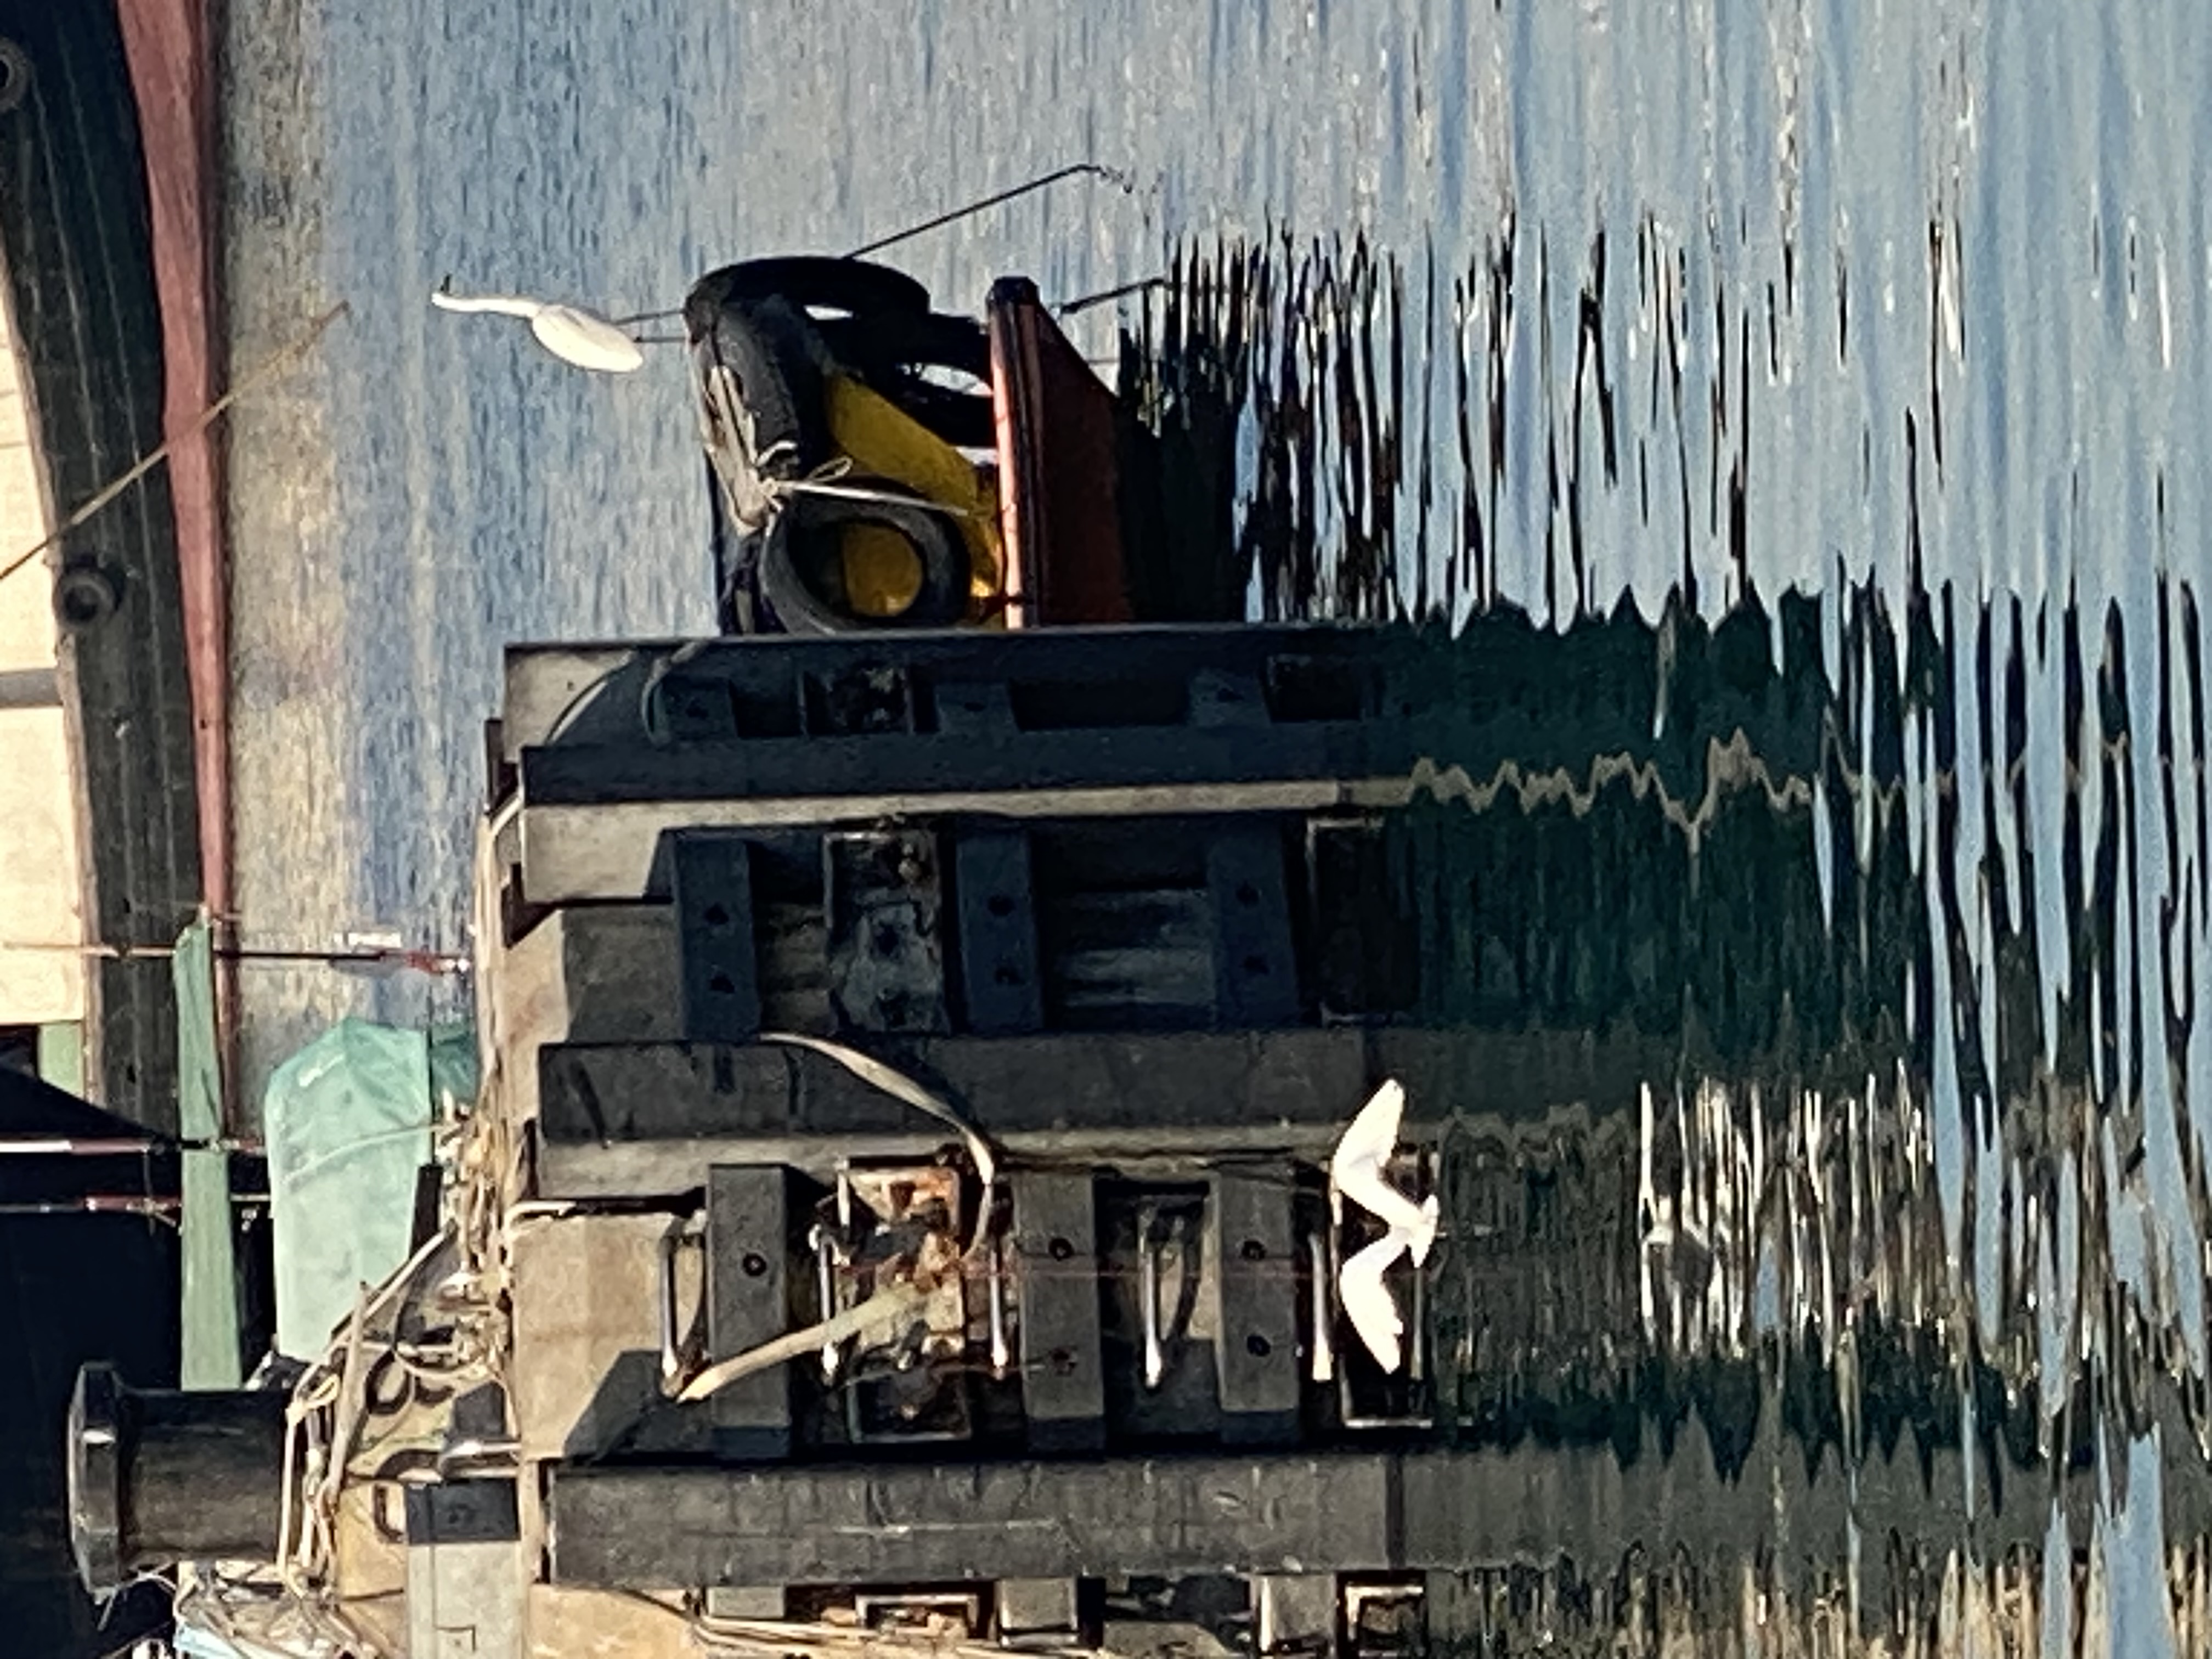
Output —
(1840, 355)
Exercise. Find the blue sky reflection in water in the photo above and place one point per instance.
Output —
(1508, 309)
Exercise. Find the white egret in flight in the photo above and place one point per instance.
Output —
(1356, 1172)
(571, 333)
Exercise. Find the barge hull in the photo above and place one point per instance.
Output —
(75, 222)
(170, 49)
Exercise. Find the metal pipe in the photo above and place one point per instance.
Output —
(393, 959)
(825, 1282)
(158, 1209)
(671, 1340)
(13, 1147)
(1148, 1293)
(1002, 1351)
(30, 688)
(1324, 1351)
(1417, 1314)
(1416, 1328)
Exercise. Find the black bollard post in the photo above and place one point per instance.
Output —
(161, 1476)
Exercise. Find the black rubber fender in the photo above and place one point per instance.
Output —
(882, 342)
(85, 595)
(733, 551)
(966, 419)
(798, 572)
(889, 352)
(811, 281)
(779, 361)
(16, 76)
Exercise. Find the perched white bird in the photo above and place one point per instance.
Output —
(569, 333)
(1356, 1172)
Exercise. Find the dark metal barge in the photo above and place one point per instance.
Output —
(929, 1153)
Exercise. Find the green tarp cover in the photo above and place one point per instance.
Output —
(347, 1124)
(210, 1334)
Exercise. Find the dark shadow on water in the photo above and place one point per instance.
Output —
(1836, 1210)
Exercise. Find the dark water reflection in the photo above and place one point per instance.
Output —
(1834, 1251)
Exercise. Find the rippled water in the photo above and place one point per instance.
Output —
(1818, 372)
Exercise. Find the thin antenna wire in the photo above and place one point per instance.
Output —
(1071, 307)
(1128, 185)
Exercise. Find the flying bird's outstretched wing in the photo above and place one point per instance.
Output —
(1368, 1302)
(1371, 1138)
(586, 340)
(1356, 1170)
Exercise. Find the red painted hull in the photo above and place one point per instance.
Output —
(171, 49)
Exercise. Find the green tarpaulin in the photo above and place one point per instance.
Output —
(210, 1357)
(346, 1129)
(347, 1123)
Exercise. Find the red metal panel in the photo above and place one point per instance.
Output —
(1059, 510)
